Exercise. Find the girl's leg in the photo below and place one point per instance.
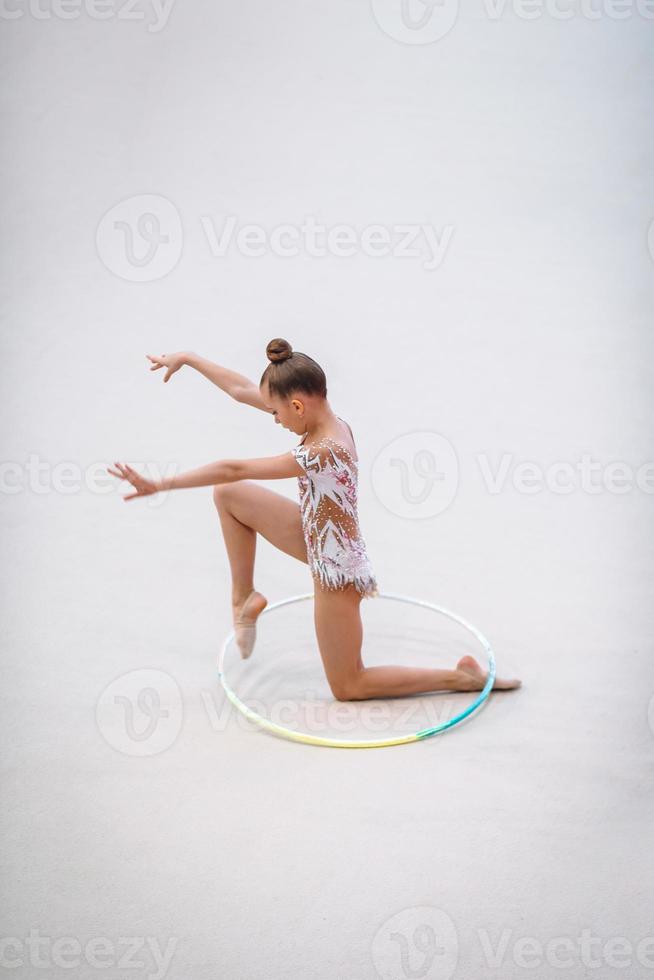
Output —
(339, 631)
(245, 510)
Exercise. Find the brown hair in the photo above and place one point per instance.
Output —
(291, 371)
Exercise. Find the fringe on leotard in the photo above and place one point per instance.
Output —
(332, 578)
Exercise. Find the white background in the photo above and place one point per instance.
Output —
(531, 140)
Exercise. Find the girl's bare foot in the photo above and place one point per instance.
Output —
(478, 677)
(246, 614)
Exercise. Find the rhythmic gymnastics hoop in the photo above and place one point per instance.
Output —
(340, 743)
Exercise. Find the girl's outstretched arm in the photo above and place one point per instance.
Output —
(236, 385)
(222, 471)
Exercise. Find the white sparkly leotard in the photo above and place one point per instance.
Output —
(328, 504)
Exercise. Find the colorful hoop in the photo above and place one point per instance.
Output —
(370, 743)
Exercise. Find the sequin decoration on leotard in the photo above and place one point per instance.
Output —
(328, 503)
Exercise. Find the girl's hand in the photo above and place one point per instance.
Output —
(173, 362)
(144, 487)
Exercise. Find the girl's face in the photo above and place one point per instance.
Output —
(287, 412)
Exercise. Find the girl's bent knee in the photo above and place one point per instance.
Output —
(347, 690)
(224, 491)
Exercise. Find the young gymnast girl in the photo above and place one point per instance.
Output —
(322, 531)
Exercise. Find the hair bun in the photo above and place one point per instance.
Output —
(279, 350)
